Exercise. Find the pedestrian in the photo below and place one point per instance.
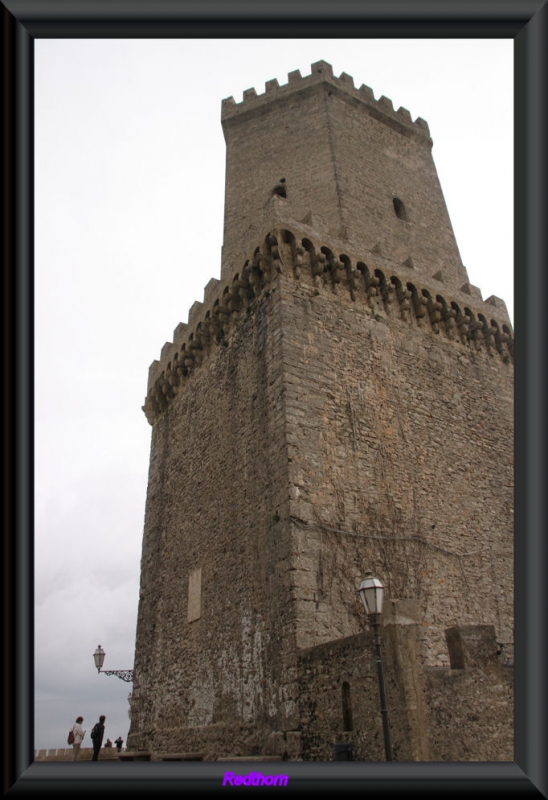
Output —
(108, 743)
(119, 742)
(97, 737)
(79, 734)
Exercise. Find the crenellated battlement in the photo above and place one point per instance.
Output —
(370, 279)
(322, 73)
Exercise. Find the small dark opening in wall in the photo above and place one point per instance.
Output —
(280, 190)
(347, 707)
(399, 208)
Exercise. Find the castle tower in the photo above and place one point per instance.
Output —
(318, 146)
(341, 400)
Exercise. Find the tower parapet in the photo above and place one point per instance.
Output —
(322, 73)
(371, 281)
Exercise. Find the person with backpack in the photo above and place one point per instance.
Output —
(97, 734)
(78, 734)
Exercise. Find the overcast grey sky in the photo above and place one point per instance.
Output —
(129, 217)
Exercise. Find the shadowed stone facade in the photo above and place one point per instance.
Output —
(341, 400)
(462, 712)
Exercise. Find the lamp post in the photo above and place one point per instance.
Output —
(123, 674)
(371, 592)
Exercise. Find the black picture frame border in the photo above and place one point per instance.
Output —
(524, 21)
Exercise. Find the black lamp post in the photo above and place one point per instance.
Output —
(123, 674)
(371, 592)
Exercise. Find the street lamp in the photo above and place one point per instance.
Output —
(123, 674)
(371, 592)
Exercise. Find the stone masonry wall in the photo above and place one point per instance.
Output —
(339, 692)
(66, 753)
(400, 440)
(435, 714)
(213, 674)
(471, 704)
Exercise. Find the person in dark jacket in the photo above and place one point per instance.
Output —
(97, 733)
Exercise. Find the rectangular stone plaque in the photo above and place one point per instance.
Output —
(195, 594)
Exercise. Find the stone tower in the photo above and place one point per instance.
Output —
(341, 400)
